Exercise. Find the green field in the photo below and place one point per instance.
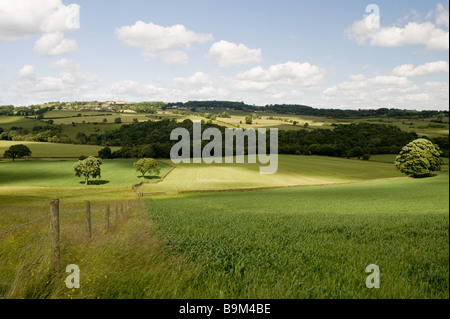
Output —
(314, 242)
(6, 122)
(92, 122)
(307, 231)
(292, 170)
(390, 158)
(59, 173)
(49, 150)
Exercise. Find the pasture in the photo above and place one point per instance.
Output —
(52, 150)
(60, 173)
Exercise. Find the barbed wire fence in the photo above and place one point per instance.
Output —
(113, 213)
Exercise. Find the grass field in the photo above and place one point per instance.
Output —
(390, 158)
(292, 170)
(60, 173)
(6, 122)
(299, 242)
(313, 242)
(92, 122)
(295, 242)
(49, 150)
(282, 243)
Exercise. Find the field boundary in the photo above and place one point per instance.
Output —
(119, 210)
(281, 186)
(141, 194)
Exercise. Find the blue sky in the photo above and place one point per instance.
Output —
(320, 53)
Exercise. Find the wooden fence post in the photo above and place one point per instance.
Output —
(116, 214)
(107, 218)
(88, 219)
(54, 226)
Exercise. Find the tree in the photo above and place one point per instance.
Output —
(145, 165)
(105, 152)
(117, 120)
(248, 120)
(81, 137)
(17, 151)
(356, 151)
(419, 158)
(89, 168)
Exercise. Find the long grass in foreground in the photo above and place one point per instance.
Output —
(128, 261)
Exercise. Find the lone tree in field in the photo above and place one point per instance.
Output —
(419, 158)
(89, 168)
(145, 165)
(17, 151)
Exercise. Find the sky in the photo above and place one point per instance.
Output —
(346, 54)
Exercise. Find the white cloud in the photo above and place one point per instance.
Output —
(413, 33)
(73, 81)
(27, 72)
(439, 90)
(199, 79)
(158, 41)
(442, 15)
(54, 44)
(421, 70)
(229, 53)
(387, 91)
(289, 73)
(175, 57)
(24, 18)
(199, 86)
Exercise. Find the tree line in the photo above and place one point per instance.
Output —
(299, 109)
(152, 139)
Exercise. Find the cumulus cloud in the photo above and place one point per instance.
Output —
(158, 41)
(413, 33)
(24, 18)
(421, 70)
(27, 72)
(387, 91)
(442, 15)
(53, 44)
(197, 86)
(227, 54)
(289, 73)
(73, 81)
(48, 18)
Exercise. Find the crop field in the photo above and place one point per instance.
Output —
(313, 242)
(292, 170)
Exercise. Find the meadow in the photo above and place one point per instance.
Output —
(60, 173)
(55, 150)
